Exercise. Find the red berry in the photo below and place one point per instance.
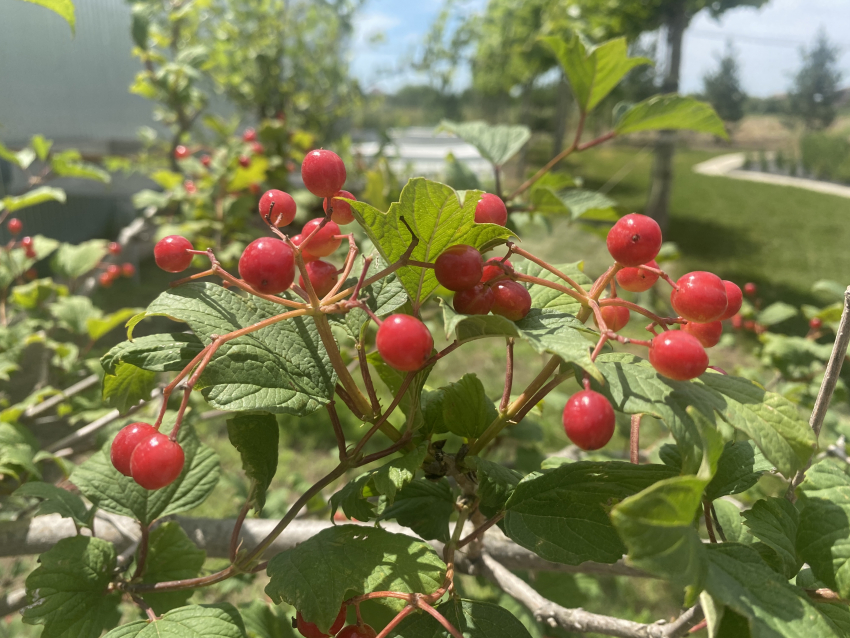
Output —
(190, 187)
(31, 274)
(290, 166)
(156, 462)
(634, 240)
(323, 243)
(750, 289)
(616, 317)
(105, 279)
(128, 269)
(310, 630)
(254, 189)
(170, 253)
(511, 300)
(267, 265)
(29, 253)
(113, 270)
(459, 267)
(181, 152)
(589, 420)
(404, 342)
(737, 322)
(323, 173)
(206, 160)
(257, 148)
(306, 256)
(815, 323)
(492, 270)
(477, 300)
(750, 325)
(277, 208)
(708, 333)
(357, 631)
(249, 135)
(244, 161)
(15, 225)
(341, 212)
(701, 297)
(734, 299)
(637, 279)
(126, 441)
(114, 248)
(490, 209)
(26, 243)
(678, 355)
(322, 275)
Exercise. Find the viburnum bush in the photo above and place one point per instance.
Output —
(291, 333)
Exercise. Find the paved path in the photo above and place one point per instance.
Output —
(730, 166)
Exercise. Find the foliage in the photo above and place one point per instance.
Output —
(815, 89)
(723, 88)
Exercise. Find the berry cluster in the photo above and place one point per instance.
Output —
(310, 630)
(114, 271)
(144, 453)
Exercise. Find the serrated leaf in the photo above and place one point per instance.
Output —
(576, 203)
(351, 498)
(34, 197)
(264, 621)
(774, 522)
(425, 507)
(110, 490)
(256, 437)
(169, 352)
(171, 556)
(548, 298)
(466, 409)
(740, 467)
(348, 560)
(474, 619)
(671, 112)
(496, 483)
(438, 218)
(775, 313)
(41, 146)
(64, 8)
(98, 327)
(55, 500)
(33, 294)
(67, 591)
(562, 515)
(497, 144)
(732, 523)
(194, 621)
(74, 312)
(75, 261)
(127, 387)
(69, 164)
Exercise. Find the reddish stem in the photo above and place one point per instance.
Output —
(634, 439)
(509, 374)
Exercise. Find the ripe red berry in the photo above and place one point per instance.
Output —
(244, 161)
(105, 279)
(701, 297)
(815, 323)
(490, 209)
(734, 300)
(310, 630)
(404, 342)
(290, 166)
(113, 270)
(708, 333)
(477, 300)
(737, 322)
(637, 279)
(257, 148)
(750, 325)
(511, 300)
(322, 275)
(254, 189)
(267, 265)
(31, 274)
(357, 631)
(181, 152)
(15, 225)
(341, 212)
(615, 317)
(206, 160)
(277, 208)
(29, 252)
(249, 135)
(678, 355)
(305, 255)
(492, 270)
(190, 187)
(323, 243)
(128, 269)
(634, 240)
(26, 242)
(323, 172)
(589, 420)
(114, 248)
(156, 462)
(750, 289)
(170, 253)
(126, 441)
(459, 267)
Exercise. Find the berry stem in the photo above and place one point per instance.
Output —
(237, 527)
(706, 508)
(661, 274)
(143, 551)
(596, 291)
(347, 267)
(513, 248)
(379, 424)
(338, 433)
(395, 621)
(367, 377)
(634, 439)
(440, 618)
(421, 264)
(149, 612)
(509, 374)
(580, 297)
(479, 531)
(661, 321)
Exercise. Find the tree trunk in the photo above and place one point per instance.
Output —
(662, 170)
(562, 105)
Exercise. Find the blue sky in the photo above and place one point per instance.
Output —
(767, 40)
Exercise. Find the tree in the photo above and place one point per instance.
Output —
(815, 91)
(723, 87)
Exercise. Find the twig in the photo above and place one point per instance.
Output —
(337, 426)
(44, 406)
(706, 509)
(480, 530)
(509, 374)
(634, 439)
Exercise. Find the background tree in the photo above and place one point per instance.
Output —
(723, 87)
(815, 90)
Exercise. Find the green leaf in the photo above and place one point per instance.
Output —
(740, 467)
(496, 483)
(17, 262)
(34, 197)
(110, 490)
(593, 73)
(497, 144)
(732, 523)
(348, 560)
(74, 312)
(774, 522)
(352, 499)
(41, 146)
(75, 261)
(64, 8)
(171, 556)
(425, 507)
(256, 437)
(67, 591)
(466, 409)
(33, 294)
(69, 164)
(775, 313)
(55, 500)
(159, 353)
(127, 387)
(282, 368)
(98, 327)
(254, 173)
(264, 621)
(194, 621)
(473, 619)
(576, 203)
(562, 515)
(548, 298)
(671, 112)
(22, 159)
(439, 219)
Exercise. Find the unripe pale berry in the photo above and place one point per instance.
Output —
(615, 317)
(750, 289)
(700, 297)
(477, 300)
(459, 267)
(277, 208)
(634, 240)
(126, 441)
(589, 420)
(493, 270)
(267, 265)
(490, 209)
(15, 225)
(156, 462)
(310, 630)
(404, 342)
(181, 152)
(322, 275)
(708, 333)
(114, 248)
(678, 355)
(637, 279)
(305, 254)
(341, 212)
(170, 253)
(815, 323)
(734, 299)
(324, 242)
(511, 300)
(323, 172)
(357, 631)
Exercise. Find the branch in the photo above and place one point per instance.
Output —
(56, 399)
